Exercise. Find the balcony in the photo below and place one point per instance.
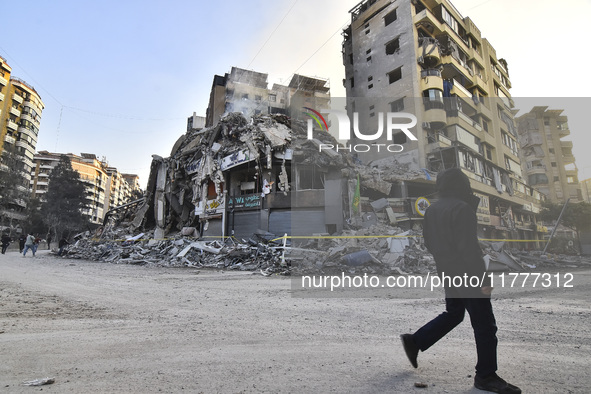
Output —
(438, 141)
(539, 169)
(1, 96)
(435, 116)
(3, 81)
(478, 81)
(15, 111)
(463, 119)
(12, 125)
(428, 21)
(431, 79)
(28, 133)
(10, 140)
(460, 90)
(563, 129)
(23, 144)
(17, 98)
(27, 117)
(31, 104)
(429, 55)
(568, 158)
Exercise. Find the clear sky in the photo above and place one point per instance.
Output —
(119, 78)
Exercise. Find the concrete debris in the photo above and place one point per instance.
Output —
(182, 251)
(355, 251)
(179, 186)
(39, 382)
(400, 252)
(186, 196)
(358, 251)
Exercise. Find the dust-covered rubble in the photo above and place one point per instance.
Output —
(379, 249)
(255, 254)
(166, 228)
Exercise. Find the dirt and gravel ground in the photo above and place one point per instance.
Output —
(107, 328)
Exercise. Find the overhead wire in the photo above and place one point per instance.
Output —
(273, 32)
(321, 46)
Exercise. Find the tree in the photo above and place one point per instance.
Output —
(64, 200)
(576, 216)
(14, 187)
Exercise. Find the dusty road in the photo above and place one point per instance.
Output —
(105, 328)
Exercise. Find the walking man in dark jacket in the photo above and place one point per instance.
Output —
(5, 242)
(449, 231)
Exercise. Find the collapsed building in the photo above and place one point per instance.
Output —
(228, 194)
(260, 170)
(240, 176)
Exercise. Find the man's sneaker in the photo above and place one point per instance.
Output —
(410, 348)
(495, 384)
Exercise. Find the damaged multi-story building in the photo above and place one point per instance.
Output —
(243, 176)
(252, 167)
(548, 161)
(248, 92)
(424, 58)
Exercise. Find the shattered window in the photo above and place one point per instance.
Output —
(310, 178)
(395, 75)
(390, 17)
(399, 138)
(397, 106)
(393, 46)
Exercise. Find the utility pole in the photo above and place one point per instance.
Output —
(556, 226)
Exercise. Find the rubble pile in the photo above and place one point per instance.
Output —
(169, 225)
(394, 251)
(535, 259)
(179, 184)
(256, 253)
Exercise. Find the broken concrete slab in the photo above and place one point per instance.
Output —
(380, 204)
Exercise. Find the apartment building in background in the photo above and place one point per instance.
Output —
(106, 188)
(424, 58)
(547, 160)
(20, 118)
(248, 92)
(586, 190)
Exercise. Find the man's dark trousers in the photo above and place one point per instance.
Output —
(483, 323)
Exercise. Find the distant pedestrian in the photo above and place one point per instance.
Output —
(5, 242)
(21, 242)
(36, 243)
(48, 241)
(29, 244)
(62, 245)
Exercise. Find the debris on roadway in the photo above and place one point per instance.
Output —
(168, 227)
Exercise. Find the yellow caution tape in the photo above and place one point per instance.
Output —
(319, 237)
(391, 236)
